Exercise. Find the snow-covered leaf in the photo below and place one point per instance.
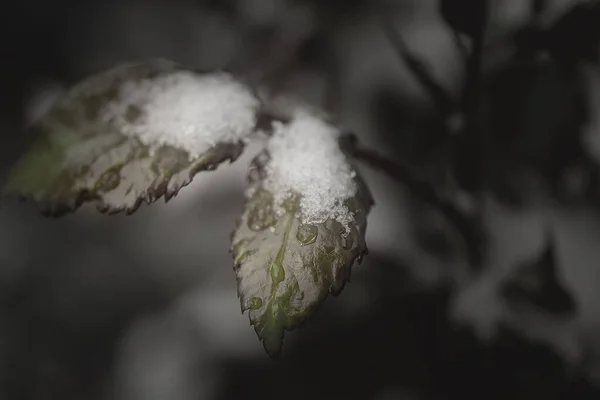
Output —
(132, 134)
(302, 228)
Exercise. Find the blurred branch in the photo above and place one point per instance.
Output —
(421, 189)
(442, 100)
(470, 143)
(569, 39)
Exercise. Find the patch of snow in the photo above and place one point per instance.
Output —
(306, 160)
(185, 110)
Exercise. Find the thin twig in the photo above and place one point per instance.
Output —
(421, 189)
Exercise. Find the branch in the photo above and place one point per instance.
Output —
(442, 100)
(421, 189)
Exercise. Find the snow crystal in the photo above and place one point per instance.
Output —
(307, 160)
(185, 110)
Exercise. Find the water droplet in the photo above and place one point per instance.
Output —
(238, 247)
(307, 234)
(254, 303)
(241, 252)
(277, 273)
(108, 181)
(261, 216)
(240, 257)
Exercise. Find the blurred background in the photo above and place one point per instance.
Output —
(145, 307)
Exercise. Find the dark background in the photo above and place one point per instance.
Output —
(145, 307)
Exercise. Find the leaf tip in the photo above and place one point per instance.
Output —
(273, 348)
(271, 336)
(133, 208)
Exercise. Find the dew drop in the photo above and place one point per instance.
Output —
(239, 246)
(254, 303)
(108, 181)
(240, 257)
(241, 252)
(277, 273)
(261, 216)
(307, 234)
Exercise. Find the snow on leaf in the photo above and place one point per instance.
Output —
(133, 134)
(289, 253)
(306, 158)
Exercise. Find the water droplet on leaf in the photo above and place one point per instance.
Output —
(307, 234)
(109, 180)
(262, 215)
(254, 303)
(238, 247)
(241, 252)
(277, 273)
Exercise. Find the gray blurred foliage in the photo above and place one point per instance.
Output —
(145, 307)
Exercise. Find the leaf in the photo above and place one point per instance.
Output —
(285, 269)
(130, 135)
(536, 283)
